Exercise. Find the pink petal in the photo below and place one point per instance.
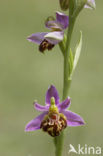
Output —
(35, 123)
(37, 37)
(73, 119)
(52, 92)
(65, 104)
(54, 37)
(40, 107)
(53, 25)
(62, 19)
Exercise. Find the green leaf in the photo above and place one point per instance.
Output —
(77, 52)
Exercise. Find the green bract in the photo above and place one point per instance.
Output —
(77, 52)
(73, 60)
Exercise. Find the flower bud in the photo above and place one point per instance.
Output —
(64, 4)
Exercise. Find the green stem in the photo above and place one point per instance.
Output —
(60, 139)
(74, 11)
(67, 79)
(59, 144)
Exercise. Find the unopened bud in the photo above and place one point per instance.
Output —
(64, 4)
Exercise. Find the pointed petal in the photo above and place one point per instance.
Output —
(52, 92)
(92, 3)
(65, 104)
(54, 37)
(54, 25)
(37, 37)
(73, 119)
(40, 107)
(62, 19)
(35, 123)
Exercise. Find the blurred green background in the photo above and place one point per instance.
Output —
(25, 75)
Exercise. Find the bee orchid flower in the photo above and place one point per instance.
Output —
(55, 116)
(47, 40)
